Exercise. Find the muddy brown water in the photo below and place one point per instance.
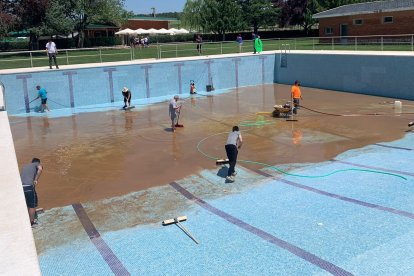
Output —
(99, 155)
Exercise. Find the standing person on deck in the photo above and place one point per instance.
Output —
(258, 45)
(51, 53)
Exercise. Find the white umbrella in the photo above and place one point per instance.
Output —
(152, 31)
(125, 31)
(140, 31)
(163, 31)
(183, 31)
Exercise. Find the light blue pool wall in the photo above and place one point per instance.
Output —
(378, 75)
(100, 85)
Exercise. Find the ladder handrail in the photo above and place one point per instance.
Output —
(2, 97)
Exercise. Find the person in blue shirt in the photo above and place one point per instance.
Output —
(253, 39)
(239, 40)
(43, 96)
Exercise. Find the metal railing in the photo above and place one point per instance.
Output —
(25, 59)
(2, 97)
(29, 59)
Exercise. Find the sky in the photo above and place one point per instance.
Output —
(144, 6)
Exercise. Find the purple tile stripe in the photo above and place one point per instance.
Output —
(236, 70)
(180, 83)
(25, 90)
(325, 265)
(392, 147)
(263, 68)
(343, 198)
(210, 77)
(147, 84)
(70, 80)
(113, 262)
(373, 168)
(111, 83)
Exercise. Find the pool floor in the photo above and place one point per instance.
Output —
(321, 195)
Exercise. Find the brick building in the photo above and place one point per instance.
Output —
(371, 18)
(98, 30)
(146, 22)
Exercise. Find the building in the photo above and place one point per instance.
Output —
(146, 22)
(370, 18)
(98, 30)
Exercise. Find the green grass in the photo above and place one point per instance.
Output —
(40, 59)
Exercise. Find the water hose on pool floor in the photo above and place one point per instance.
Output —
(356, 115)
(288, 173)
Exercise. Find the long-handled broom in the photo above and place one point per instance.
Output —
(176, 221)
(177, 124)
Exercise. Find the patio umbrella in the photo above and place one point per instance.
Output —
(140, 31)
(124, 32)
(164, 31)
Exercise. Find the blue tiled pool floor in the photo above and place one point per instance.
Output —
(357, 222)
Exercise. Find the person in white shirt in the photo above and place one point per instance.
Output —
(233, 144)
(174, 110)
(52, 52)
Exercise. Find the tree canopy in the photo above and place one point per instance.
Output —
(52, 17)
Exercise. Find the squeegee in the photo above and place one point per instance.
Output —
(176, 221)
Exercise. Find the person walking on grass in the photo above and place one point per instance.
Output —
(30, 176)
(233, 144)
(51, 53)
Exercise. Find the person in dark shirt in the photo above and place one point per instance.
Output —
(30, 176)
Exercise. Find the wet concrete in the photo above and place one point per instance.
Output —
(93, 156)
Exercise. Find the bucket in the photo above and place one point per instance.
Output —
(397, 105)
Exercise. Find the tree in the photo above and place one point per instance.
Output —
(8, 16)
(191, 16)
(259, 13)
(86, 12)
(31, 15)
(57, 20)
(221, 16)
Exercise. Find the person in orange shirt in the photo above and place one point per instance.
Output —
(296, 96)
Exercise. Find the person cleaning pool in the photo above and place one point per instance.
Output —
(193, 89)
(43, 96)
(233, 144)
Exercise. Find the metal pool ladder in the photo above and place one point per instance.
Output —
(2, 97)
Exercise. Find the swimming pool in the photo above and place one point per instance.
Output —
(112, 176)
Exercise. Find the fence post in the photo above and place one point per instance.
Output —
(132, 48)
(382, 43)
(333, 43)
(412, 43)
(100, 55)
(356, 43)
(313, 43)
(221, 47)
(176, 50)
(31, 60)
(295, 43)
(67, 57)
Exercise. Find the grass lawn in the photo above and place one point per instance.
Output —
(40, 59)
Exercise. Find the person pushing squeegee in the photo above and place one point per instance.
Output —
(177, 221)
